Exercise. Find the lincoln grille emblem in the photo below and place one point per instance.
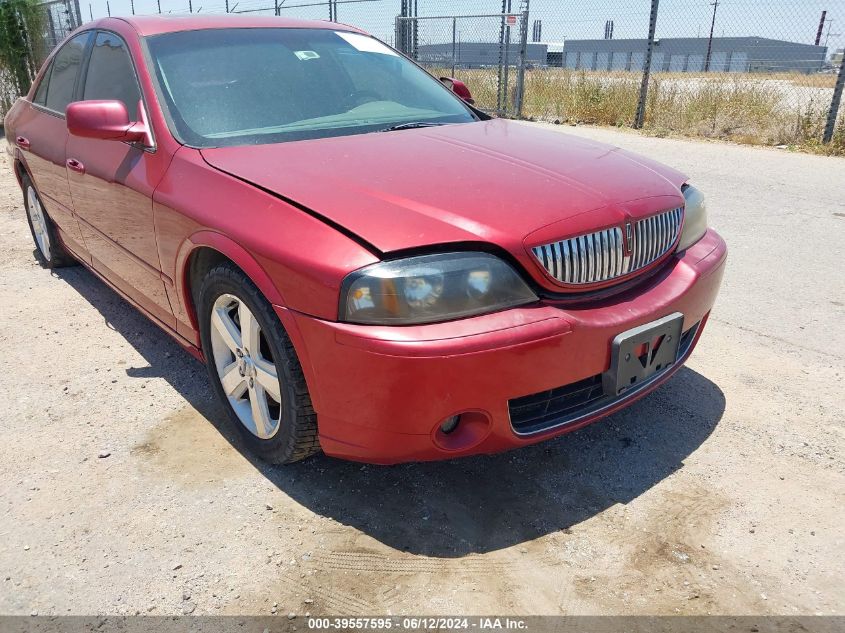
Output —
(629, 238)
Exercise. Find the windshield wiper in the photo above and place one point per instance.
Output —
(410, 125)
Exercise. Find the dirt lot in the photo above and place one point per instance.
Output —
(723, 492)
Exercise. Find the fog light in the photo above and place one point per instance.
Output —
(450, 424)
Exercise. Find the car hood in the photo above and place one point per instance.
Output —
(501, 182)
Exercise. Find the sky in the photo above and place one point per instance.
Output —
(794, 20)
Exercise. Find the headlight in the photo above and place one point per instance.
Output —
(695, 217)
(431, 288)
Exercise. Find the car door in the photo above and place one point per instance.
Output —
(112, 183)
(41, 134)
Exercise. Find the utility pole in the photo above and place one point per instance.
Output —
(715, 4)
(159, 5)
(821, 28)
(132, 6)
(827, 37)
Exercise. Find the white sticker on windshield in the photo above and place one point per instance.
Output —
(303, 55)
(366, 44)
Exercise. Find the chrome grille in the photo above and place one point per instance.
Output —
(601, 256)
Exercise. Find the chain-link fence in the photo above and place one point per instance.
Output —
(487, 52)
(61, 18)
(743, 70)
(34, 39)
(761, 72)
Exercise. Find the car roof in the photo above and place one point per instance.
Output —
(156, 24)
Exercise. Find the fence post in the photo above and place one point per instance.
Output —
(520, 71)
(454, 41)
(402, 35)
(53, 39)
(500, 91)
(415, 32)
(834, 103)
(507, 64)
(652, 24)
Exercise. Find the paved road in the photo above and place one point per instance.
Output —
(722, 492)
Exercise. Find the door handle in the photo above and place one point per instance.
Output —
(75, 165)
(22, 142)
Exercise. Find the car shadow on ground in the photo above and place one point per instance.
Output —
(471, 505)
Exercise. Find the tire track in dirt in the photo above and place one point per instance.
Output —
(376, 563)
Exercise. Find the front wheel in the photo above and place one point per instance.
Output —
(254, 368)
(50, 251)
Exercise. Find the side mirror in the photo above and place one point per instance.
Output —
(459, 88)
(106, 120)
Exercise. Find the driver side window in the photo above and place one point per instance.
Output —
(110, 73)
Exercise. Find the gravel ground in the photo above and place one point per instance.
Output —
(722, 492)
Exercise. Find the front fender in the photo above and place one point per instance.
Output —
(296, 260)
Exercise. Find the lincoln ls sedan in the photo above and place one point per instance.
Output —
(367, 264)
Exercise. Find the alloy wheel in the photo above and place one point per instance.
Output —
(245, 366)
(39, 222)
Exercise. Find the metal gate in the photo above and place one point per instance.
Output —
(488, 52)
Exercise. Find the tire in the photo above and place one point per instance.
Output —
(226, 300)
(48, 248)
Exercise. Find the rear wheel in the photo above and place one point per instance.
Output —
(49, 250)
(254, 368)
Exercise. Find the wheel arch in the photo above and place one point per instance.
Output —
(206, 249)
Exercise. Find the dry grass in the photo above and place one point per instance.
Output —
(753, 109)
(812, 81)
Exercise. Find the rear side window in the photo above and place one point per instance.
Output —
(63, 72)
(110, 73)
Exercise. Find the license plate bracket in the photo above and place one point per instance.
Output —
(639, 353)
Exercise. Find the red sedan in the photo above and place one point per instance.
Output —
(367, 264)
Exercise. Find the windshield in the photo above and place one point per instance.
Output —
(250, 86)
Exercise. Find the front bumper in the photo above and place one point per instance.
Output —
(381, 393)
